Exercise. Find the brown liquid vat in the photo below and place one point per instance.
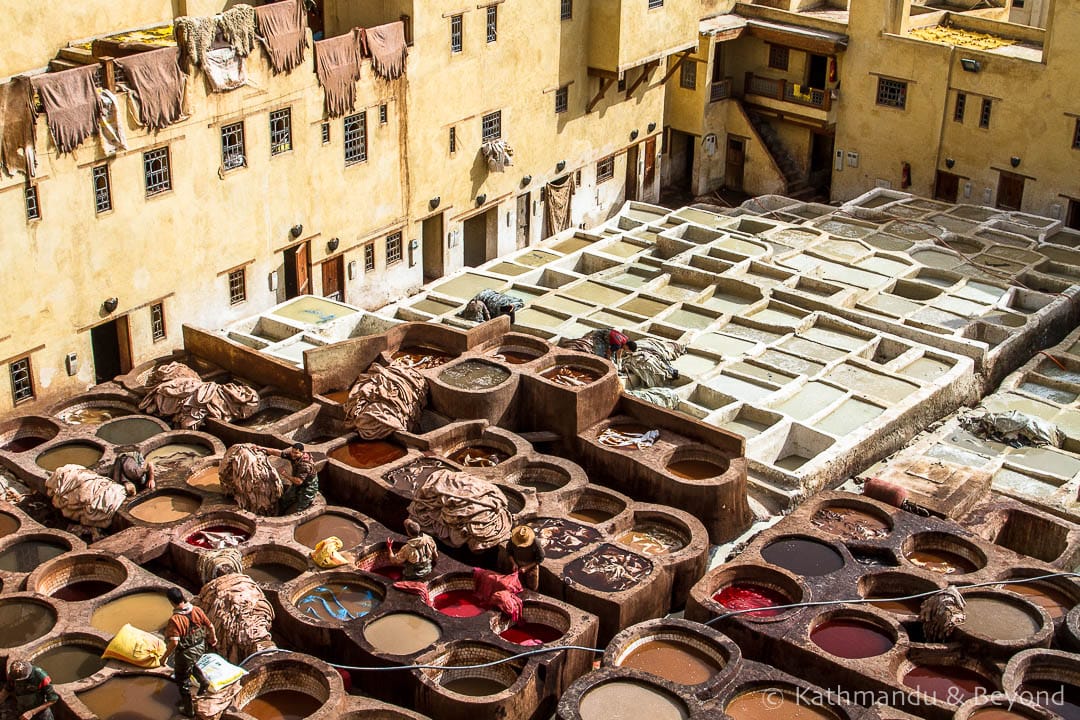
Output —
(944, 553)
(496, 691)
(303, 674)
(1000, 624)
(79, 577)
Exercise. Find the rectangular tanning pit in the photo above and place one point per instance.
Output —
(746, 420)
(793, 450)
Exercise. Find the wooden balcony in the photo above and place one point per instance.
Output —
(787, 92)
(720, 90)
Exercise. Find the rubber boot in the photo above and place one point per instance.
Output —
(185, 706)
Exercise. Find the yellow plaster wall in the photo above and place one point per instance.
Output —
(682, 106)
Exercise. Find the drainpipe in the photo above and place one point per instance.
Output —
(939, 156)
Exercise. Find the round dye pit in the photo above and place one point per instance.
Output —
(282, 705)
(338, 601)
(82, 590)
(474, 686)
(129, 431)
(27, 555)
(748, 596)
(148, 611)
(401, 633)
(70, 663)
(513, 357)
(627, 700)
(803, 557)
(349, 531)
(166, 507)
(206, 479)
(420, 358)
(8, 524)
(154, 697)
(849, 523)
(998, 619)
(216, 536)
(24, 443)
(570, 376)
(695, 469)
(941, 561)
(474, 375)
(671, 660)
(263, 418)
(368, 454)
(651, 539)
(175, 460)
(478, 456)
(897, 607)
(92, 415)
(1058, 697)
(947, 684)
(851, 639)
(22, 621)
(69, 454)
(528, 633)
(591, 515)
(272, 572)
(1055, 604)
(996, 713)
(457, 603)
(768, 704)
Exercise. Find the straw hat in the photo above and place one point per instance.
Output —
(522, 536)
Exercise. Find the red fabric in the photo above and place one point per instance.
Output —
(498, 591)
(616, 339)
(508, 603)
(416, 588)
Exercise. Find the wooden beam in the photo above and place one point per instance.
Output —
(675, 66)
(605, 83)
(600, 73)
(646, 71)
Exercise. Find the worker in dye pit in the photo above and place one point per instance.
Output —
(605, 342)
(304, 483)
(417, 557)
(186, 634)
(133, 471)
(525, 553)
(489, 304)
(33, 691)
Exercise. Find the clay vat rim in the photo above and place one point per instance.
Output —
(1045, 622)
(790, 690)
(890, 626)
(231, 518)
(45, 601)
(643, 679)
(667, 521)
(375, 616)
(92, 400)
(279, 666)
(182, 437)
(9, 429)
(750, 573)
(520, 346)
(866, 583)
(84, 440)
(501, 620)
(937, 658)
(127, 418)
(363, 522)
(837, 547)
(696, 451)
(35, 535)
(854, 503)
(1040, 664)
(18, 524)
(486, 440)
(73, 637)
(545, 467)
(1002, 700)
(164, 492)
(78, 559)
(444, 655)
(294, 590)
(351, 436)
(946, 542)
(512, 377)
(718, 654)
(1060, 586)
(253, 552)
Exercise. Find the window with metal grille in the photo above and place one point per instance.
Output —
(653, 4)
(356, 138)
(984, 115)
(566, 9)
(961, 105)
(779, 56)
(156, 171)
(688, 74)
(453, 140)
(33, 208)
(382, 114)
(232, 146)
(491, 126)
(605, 169)
(455, 34)
(369, 257)
(562, 99)
(157, 321)
(892, 93)
(492, 23)
(326, 133)
(393, 248)
(22, 383)
(237, 287)
(1076, 135)
(280, 131)
(102, 189)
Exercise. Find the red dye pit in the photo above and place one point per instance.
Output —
(457, 603)
(852, 639)
(1058, 697)
(527, 633)
(393, 572)
(745, 596)
(952, 685)
(227, 532)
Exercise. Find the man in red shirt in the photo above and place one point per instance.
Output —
(187, 633)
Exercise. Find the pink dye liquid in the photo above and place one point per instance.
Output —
(745, 596)
(458, 603)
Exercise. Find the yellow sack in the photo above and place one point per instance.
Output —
(327, 553)
(136, 646)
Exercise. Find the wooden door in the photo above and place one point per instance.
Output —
(650, 160)
(523, 219)
(1010, 193)
(734, 160)
(297, 271)
(631, 172)
(947, 186)
(333, 278)
(1072, 220)
(432, 231)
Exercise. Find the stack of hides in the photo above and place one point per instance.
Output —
(83, 496)
(240, 613)
(337, 65)
(218, 44)
(649, 365)
(250, 479)
(386, 45)
(157, 86)
(177, 392)
(71, 105)
(386, 400)
(460, 509)
(498, 154)
(282, 30)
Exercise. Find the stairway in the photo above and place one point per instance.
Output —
(796, 185)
